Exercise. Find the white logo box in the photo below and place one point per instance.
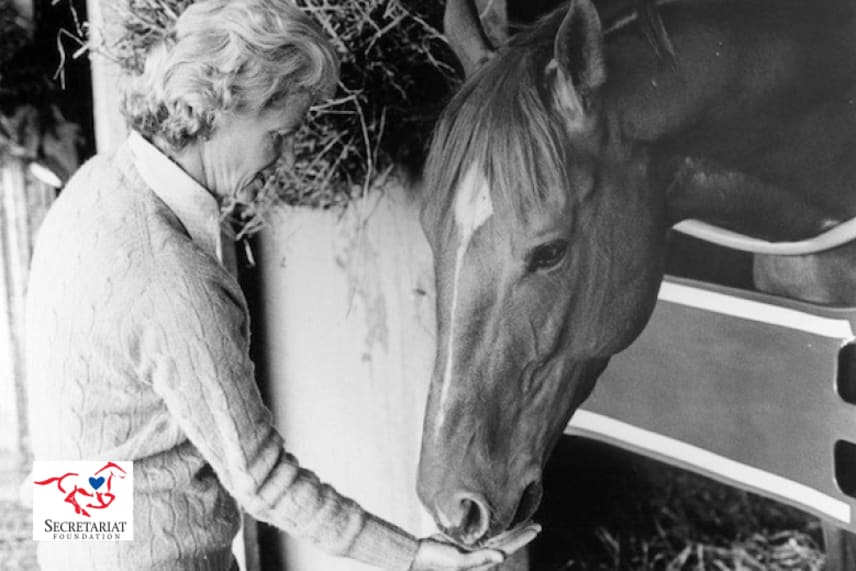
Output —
(83, 500)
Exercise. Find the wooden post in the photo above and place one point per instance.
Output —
(17, 225)
(110, 128)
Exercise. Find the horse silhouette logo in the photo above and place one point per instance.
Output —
(68, 485)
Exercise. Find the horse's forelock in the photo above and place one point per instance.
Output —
(502, 119)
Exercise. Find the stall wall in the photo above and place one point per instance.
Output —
(348, 348)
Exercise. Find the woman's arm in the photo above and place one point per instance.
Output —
(195, 340)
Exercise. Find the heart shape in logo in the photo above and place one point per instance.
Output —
(96, 482)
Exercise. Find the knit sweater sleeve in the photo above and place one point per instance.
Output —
(195, 340)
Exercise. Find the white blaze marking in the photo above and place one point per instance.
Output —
(473, 207)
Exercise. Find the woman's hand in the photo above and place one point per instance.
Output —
(435, 554)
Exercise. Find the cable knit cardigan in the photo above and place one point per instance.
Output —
(137, 349)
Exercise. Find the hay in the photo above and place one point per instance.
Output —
(396, 69)
(608, 509)
(789, 550)
(703, 525)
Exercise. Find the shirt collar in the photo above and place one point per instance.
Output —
(195, 207)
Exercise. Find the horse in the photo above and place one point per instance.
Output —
(553, 178)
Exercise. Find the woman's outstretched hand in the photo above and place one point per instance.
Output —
(436, 554)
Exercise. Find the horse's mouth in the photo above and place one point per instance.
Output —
(494, 542)
(498, 541)
(452, 535)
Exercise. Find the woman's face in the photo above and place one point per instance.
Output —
(243, 145)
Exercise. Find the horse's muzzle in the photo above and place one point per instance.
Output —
(467, 517)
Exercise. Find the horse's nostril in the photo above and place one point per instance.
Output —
(474, 518)
(528, 504)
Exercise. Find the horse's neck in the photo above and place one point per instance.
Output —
(752, 128)
(731, 55)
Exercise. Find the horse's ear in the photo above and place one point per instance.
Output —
(466, 35)
(578, 67)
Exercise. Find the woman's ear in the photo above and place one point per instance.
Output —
(578, 67)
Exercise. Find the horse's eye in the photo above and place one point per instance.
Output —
(547, 255)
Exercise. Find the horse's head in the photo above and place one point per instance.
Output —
(547, 243)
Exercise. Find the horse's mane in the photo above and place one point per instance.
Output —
(502, 120)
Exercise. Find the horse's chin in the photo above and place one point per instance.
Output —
(497, 541)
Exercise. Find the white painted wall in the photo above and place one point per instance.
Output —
(350, 342)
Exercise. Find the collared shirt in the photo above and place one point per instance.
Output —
(192, 203)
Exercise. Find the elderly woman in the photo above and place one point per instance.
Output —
(138, 337)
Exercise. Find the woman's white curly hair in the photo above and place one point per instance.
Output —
(239, 56)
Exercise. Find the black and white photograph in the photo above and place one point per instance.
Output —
(427, 285)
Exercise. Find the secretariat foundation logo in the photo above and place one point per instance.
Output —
(83, 501)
